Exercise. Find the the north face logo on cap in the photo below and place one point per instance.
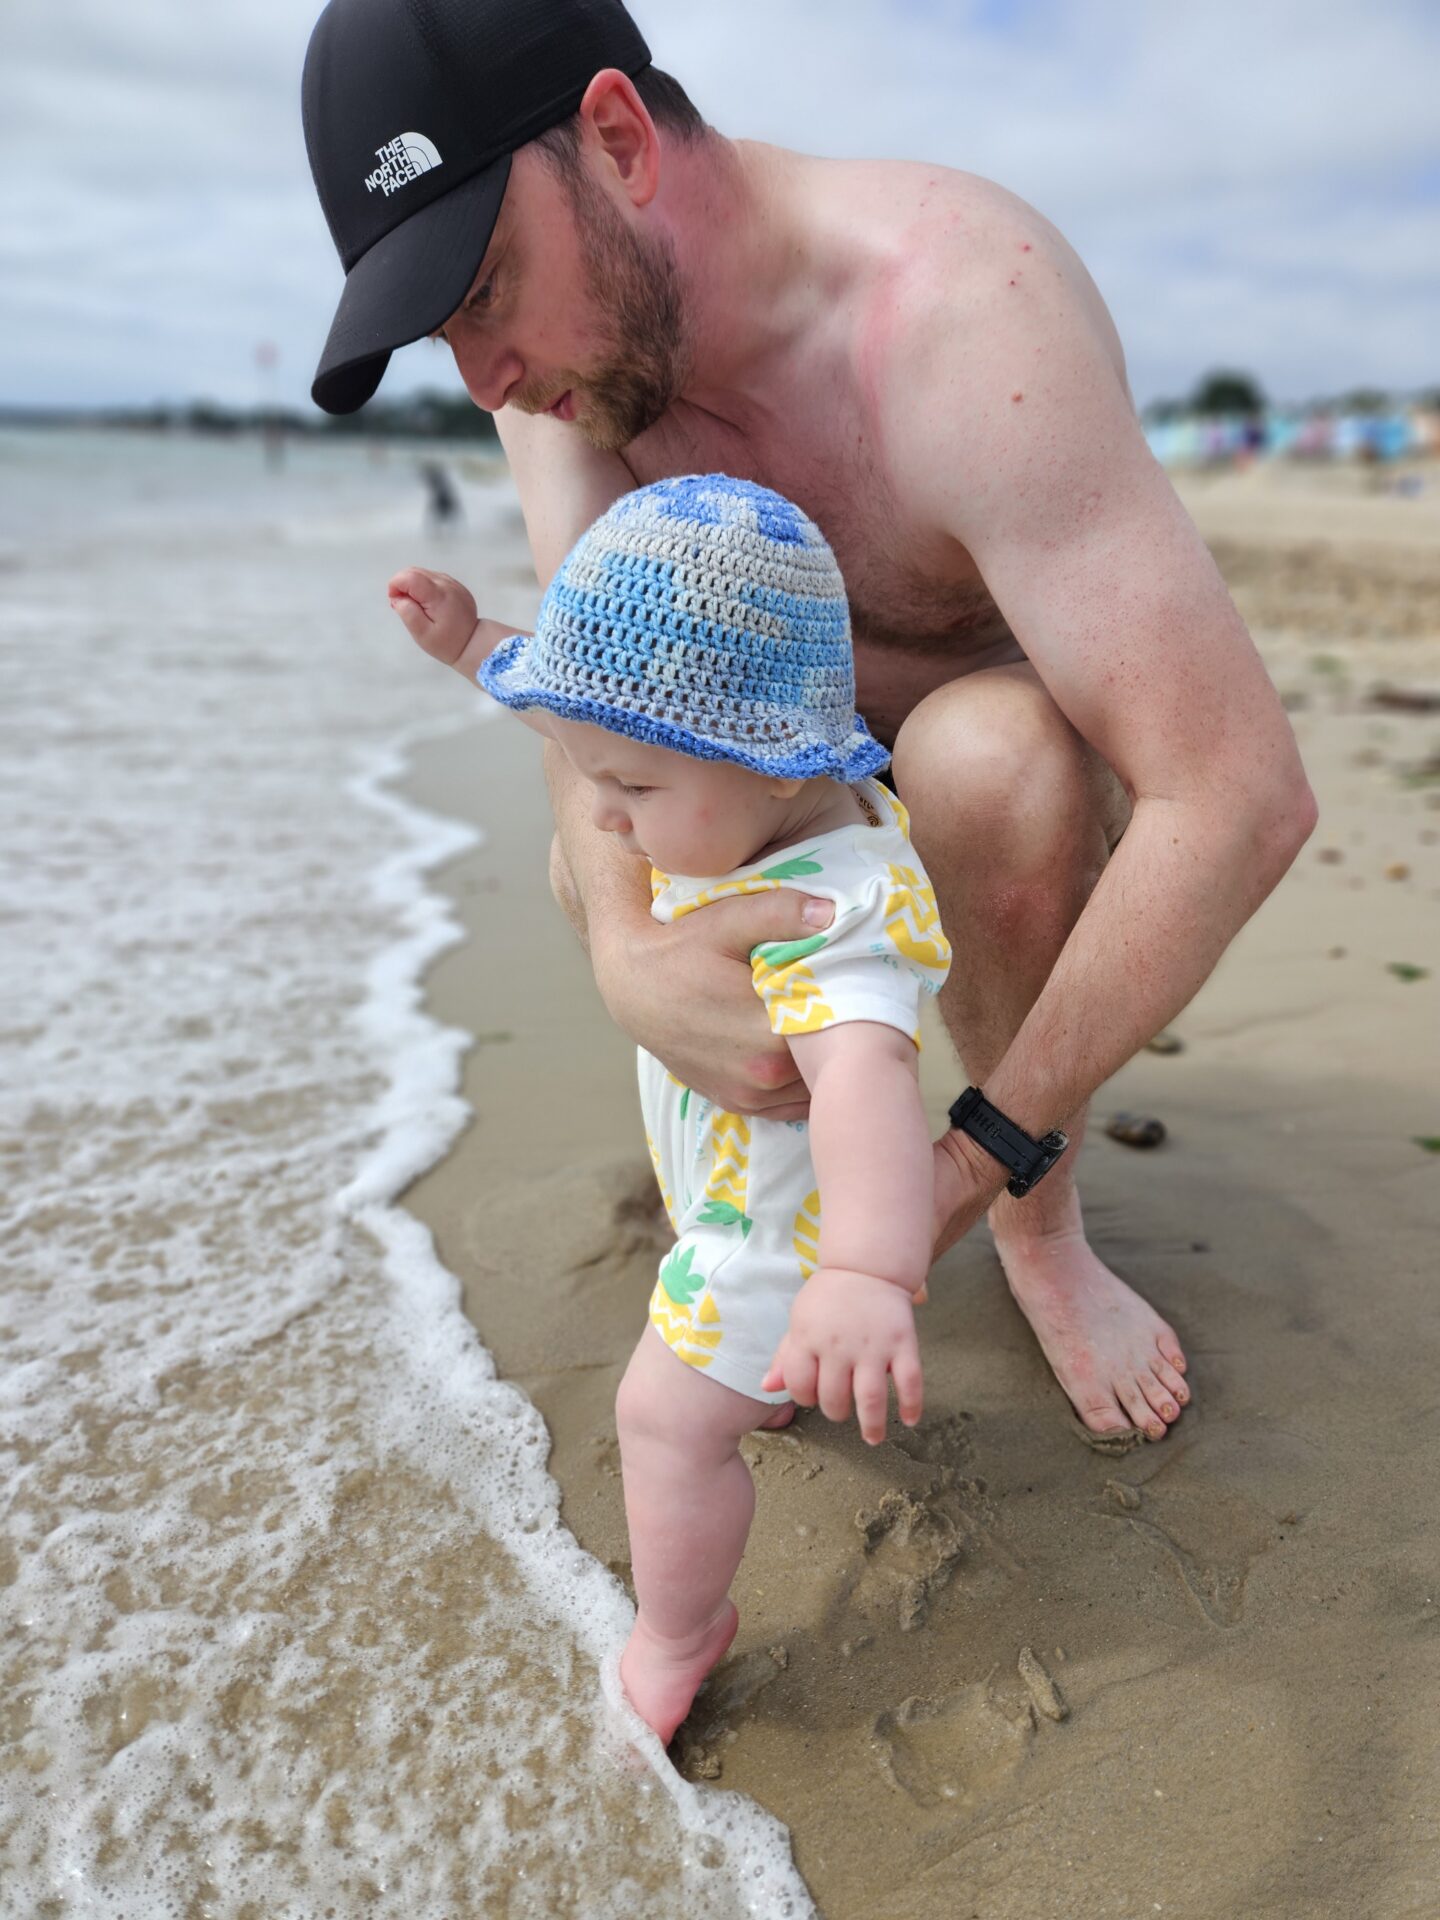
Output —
(404, 158)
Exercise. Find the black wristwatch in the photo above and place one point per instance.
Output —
(1027, 1159)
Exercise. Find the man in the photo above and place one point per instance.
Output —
(921, 362)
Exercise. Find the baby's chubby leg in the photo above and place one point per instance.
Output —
(439, 615)
(689, 1500)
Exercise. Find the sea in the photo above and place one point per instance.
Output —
(289, 1625)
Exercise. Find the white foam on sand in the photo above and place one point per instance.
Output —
(292, 1624)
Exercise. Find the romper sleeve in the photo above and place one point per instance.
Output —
(882, 955)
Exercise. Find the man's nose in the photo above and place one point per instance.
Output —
(489, 371)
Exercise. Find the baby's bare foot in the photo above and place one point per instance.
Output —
(781, 1417)
(661, 1677)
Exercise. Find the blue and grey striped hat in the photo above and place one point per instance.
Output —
(703, 614)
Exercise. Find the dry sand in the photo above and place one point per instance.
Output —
(984, 1670)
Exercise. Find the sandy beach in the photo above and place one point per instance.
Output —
(987, 1670)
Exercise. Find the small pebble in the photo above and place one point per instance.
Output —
(1136, 1129)
(1397, 870)
(1330, 856)
(1336, 953)
(1165, 1042)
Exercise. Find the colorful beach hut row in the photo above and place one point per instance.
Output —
(1403, 434)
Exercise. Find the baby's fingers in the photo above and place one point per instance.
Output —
(795, 1370)
(872, 1401)
(909, 1384)
(835, 1389)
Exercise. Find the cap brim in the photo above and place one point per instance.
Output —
(406, 285)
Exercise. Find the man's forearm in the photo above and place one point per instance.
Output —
(603, 889)
(1169, 903)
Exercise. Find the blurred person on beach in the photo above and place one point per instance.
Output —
(692, 663)
(1101, 779)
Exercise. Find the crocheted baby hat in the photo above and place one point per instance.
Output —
(703, 614)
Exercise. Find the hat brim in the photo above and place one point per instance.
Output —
(406, 285)
(508, 676)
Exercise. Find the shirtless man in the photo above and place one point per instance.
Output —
(920, 361)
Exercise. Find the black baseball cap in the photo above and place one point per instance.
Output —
(412, 110)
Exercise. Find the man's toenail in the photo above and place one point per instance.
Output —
(1171, 1413)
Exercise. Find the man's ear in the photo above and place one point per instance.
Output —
(615, 124)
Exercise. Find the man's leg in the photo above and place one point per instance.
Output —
(1014, 816)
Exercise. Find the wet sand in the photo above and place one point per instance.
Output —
(986, 1670)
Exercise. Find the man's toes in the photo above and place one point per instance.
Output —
(1102, 1415)
(1142, 1414)
(1171, 1350)
(1168, 1377)
(1160, 1397)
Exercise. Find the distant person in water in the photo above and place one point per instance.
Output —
(692, 661)
(442, 507)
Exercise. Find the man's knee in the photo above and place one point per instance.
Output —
(991, 770)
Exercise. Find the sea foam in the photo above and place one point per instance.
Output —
(293, 1624)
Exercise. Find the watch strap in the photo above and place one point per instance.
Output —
(1024, 1157)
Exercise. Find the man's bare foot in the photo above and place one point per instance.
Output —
(1117, 1360)
(662, 1677)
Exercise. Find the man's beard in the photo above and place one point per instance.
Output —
(633, 284)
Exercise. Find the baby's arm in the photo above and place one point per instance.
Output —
(852, 1322)
(440, 614)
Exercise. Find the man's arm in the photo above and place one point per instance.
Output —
(1032, 458)
(683, 992)
(564, 483)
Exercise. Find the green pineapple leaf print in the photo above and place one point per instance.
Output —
(780, 953)
(677, 1279)
(792, 869)
(684, 1102)
(720, 1213)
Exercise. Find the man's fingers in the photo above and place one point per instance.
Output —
(909, 1385)
(755, 920)
(872, 1402)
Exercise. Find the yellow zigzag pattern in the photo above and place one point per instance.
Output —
(730, 1147)
(660, 1182)
(693, 1336)
(792, 995)
(723, 889)
(805, 1236)
(912, 921)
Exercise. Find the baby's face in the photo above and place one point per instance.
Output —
(681, 814)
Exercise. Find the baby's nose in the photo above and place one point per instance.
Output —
(609, 818)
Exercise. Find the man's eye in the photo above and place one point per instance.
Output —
(483, 295)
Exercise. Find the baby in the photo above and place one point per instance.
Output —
(692, 659)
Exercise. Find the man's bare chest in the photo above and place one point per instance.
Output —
(920, 612)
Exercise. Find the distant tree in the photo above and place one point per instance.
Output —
(1364, 400)
(1226, 391)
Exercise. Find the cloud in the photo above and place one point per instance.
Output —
(1252, 184)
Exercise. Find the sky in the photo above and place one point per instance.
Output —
(1252, 183)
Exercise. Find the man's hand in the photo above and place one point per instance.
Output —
(685, 993)
(850, 1331)
(440, 616)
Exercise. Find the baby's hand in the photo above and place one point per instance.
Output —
(850, 1328)
(438, 612)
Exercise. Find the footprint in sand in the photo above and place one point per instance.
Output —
(1209, 1538)
(959, 1752)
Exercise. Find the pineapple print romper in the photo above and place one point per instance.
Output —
(741, 1192)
